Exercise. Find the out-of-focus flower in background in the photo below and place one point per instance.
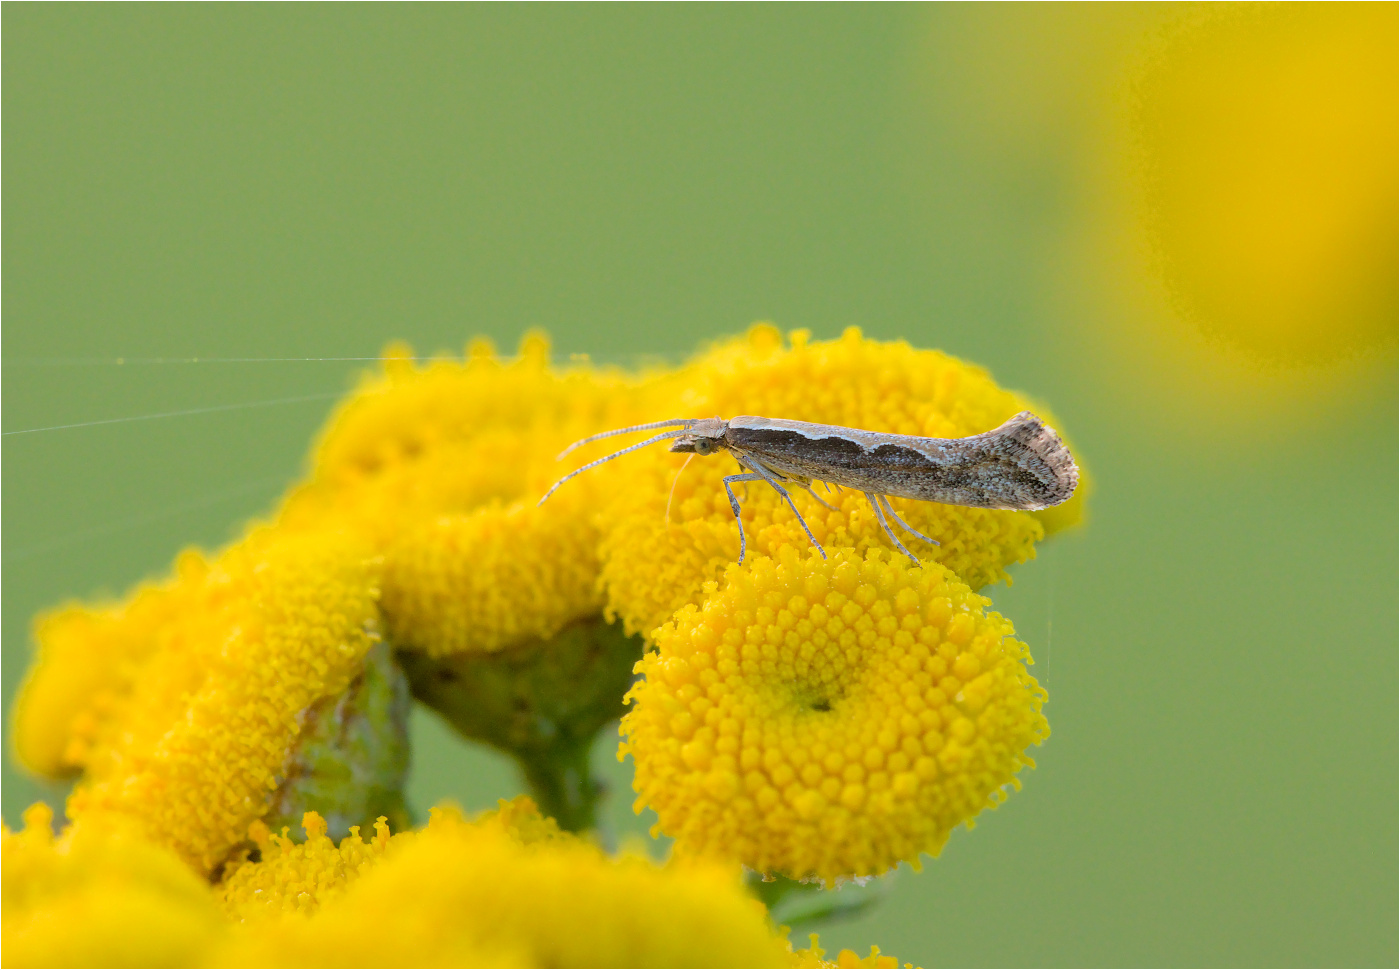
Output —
(100, 895)
(1266, 140)
(1223, 247)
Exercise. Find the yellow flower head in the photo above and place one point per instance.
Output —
(299, 877)
(213, 672)
(100, 896)
(819, 718)
(1266, 139)
(508, 889)
(441, 466)
(654, 563)
(507, 892)
(88, 660)
(830, 718)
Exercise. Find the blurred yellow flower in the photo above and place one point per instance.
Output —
(100, 896)
(830, 718)
(510, 892)
(88, 661)
(1267, 138)
(654, 564)
(508, 889)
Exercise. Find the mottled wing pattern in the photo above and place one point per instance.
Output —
(1022, 464)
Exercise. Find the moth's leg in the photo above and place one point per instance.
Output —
(820, 501)
(734, 503)
(873, 499)
(745, 467)
(767, 476)
(885, 500)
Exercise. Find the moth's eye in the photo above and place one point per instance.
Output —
(703, 446)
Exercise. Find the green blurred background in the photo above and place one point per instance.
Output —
(1175, 225)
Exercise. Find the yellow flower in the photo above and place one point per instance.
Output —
(100, 896)
(510, 892)
(1266, 139)
(653, 565)
(213, 674)
(87, 664)
(819, 718)
(299, 877)
(441, 468)
(830, 718)
(508, 889)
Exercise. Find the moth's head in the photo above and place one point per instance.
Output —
(702, 438)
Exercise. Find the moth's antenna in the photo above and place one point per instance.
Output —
(687, 422)
(672, 493)
(616, 454)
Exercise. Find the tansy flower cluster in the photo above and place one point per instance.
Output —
(815, 718)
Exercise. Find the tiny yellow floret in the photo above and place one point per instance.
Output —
(814, 958)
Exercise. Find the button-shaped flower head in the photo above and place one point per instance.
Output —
(830, 718)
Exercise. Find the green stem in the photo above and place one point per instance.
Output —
(542, 702)
(562, 784)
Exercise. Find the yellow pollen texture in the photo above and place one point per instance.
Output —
(506, 892)
(88, 660)
(293, 877)
(655, 562)
(830, 718)
(814, 958)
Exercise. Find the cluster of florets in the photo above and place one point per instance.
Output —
(831, 718)
(805, 716)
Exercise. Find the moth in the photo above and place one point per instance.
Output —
(1022, 464)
